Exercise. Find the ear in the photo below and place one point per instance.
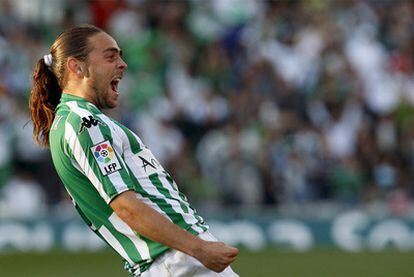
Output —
(75, 67)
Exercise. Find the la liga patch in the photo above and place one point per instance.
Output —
(105, 156)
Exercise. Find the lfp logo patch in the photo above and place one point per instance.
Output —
(105, 156)
(104, 153)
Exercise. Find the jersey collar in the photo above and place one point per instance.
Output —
(70, 97)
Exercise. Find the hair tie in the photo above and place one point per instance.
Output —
(48, 60)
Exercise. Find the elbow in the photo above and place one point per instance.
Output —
(128, 208)
(125, 214)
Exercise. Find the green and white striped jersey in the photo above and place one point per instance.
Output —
(97, 158)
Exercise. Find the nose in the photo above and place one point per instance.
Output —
(122, 64)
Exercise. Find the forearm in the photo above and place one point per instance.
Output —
(148, 222)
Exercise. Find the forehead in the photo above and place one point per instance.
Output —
(101, 42)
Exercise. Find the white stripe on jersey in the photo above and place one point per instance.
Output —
(107, 235)
(97, 137)
(123, 228)
(74, 144)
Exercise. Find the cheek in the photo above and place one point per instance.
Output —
(99, 72)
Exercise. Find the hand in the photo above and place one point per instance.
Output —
(216, 255)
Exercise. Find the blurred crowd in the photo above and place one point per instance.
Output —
(246, 103)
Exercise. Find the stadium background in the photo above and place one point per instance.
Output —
(287, 123)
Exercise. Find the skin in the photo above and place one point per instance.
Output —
(91, 80)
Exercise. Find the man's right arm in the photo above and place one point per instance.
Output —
(151, 224)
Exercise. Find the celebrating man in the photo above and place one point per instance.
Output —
(116, 184)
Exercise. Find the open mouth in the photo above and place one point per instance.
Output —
(114, 84)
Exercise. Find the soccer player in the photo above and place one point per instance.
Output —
(118, 187)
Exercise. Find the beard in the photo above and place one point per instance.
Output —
(102, 95)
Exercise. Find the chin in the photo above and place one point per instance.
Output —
(110, 100)
(112, 104)
(108, 105)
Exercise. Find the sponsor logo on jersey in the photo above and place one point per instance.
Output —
(146, 160)
(105, 156)
(152, 163)
(88, 122)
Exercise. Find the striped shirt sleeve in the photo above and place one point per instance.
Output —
(91, 146)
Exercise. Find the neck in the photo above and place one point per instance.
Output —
(79, 91)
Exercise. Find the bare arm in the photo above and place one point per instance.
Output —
(151, 224)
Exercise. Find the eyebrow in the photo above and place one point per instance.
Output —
(114, 49)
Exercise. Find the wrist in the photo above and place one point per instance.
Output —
(196, 248)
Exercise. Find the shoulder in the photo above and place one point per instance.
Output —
(80, 116)
(84, 121)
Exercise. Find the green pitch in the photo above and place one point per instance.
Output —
(265, 263)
